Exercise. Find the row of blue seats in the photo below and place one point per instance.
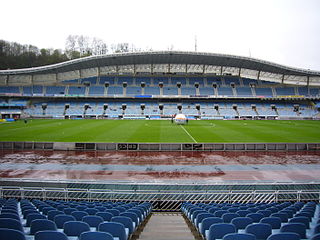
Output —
(172, 90)
(71, 219)
(272, 221)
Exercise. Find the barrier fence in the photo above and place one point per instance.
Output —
(160, 146)
(161, 200)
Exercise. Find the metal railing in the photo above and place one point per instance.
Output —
(161, 200)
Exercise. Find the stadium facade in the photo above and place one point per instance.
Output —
(160, 84)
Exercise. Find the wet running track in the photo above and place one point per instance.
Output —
(161, 166)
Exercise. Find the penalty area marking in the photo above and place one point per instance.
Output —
(188, 134)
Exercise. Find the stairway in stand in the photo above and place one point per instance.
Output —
(166, 226)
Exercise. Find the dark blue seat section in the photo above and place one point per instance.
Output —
(298, 228)
(60, 220)
(260, 230)
(53, 213)
(34, 216)
(284, 236)
(10, 223)
(93, 221)
(274, 222)
(114, 228)
(316, 237)
(78, 215)
(126, 221)
(241, 222)
(11, 234)
(41, 225)
(75, 228)
(207, 222)
(133, 216)
(95, 236)
(304, 220)
(50, 235)
(283, 216)
(10, 215)
(227, 217)
(256, 217)
(219, 230)
(239, 236)
(105, 215)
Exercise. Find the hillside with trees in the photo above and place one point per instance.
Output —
(14, 55)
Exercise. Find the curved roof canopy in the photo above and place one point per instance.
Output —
(165, 57)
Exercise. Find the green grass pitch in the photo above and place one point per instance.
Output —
(153, 131)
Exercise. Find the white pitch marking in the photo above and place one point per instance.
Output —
(188, 134)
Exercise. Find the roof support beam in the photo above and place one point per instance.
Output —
(282, 79)
(203, 68)
(221, 68)
(258, 78)
(186, 72)
(308, 81)
(152, 67)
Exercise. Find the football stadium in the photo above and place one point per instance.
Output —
(199, 144)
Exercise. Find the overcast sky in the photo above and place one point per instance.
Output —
(282, 31)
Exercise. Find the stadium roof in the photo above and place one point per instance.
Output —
(165, 57)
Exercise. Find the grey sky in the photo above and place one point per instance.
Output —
(281, 31)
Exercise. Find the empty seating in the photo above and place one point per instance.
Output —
(41, 225)
(114, 228)
(239, 236)
(219, 230)
(95, 236)
(298, 228)
(261, 230)
(50, 235)
(284, 236)
(75, 228)
(11, 224)
(11, 234)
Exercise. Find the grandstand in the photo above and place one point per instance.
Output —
(155, 86)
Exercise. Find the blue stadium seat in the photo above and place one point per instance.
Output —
(241, 222)
(283, 216)
(316, 237)
(200, 217)
(284, 236)
(114, 228)
(298, 228)
(304, 220)
(219, 213)
(10, 215)
(207, 222)
(316, 229)
(261, 230)
(11, 234)
(274, 222)
(75, 228)
(41, 225)
(239, 236)
(126, 221)
(11, 224)
(105, 215)
(114, 212)
(78, 215)
(68, 211)
(256, 217)
(227, 217)
(93, 221)
(133, 216)
(60, 220)
(95, 236)
(91, 211)
(219, 230)
(51, 214)
(50, 235)
(34, 216)
(243, 213)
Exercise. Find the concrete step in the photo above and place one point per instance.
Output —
(162, 226)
